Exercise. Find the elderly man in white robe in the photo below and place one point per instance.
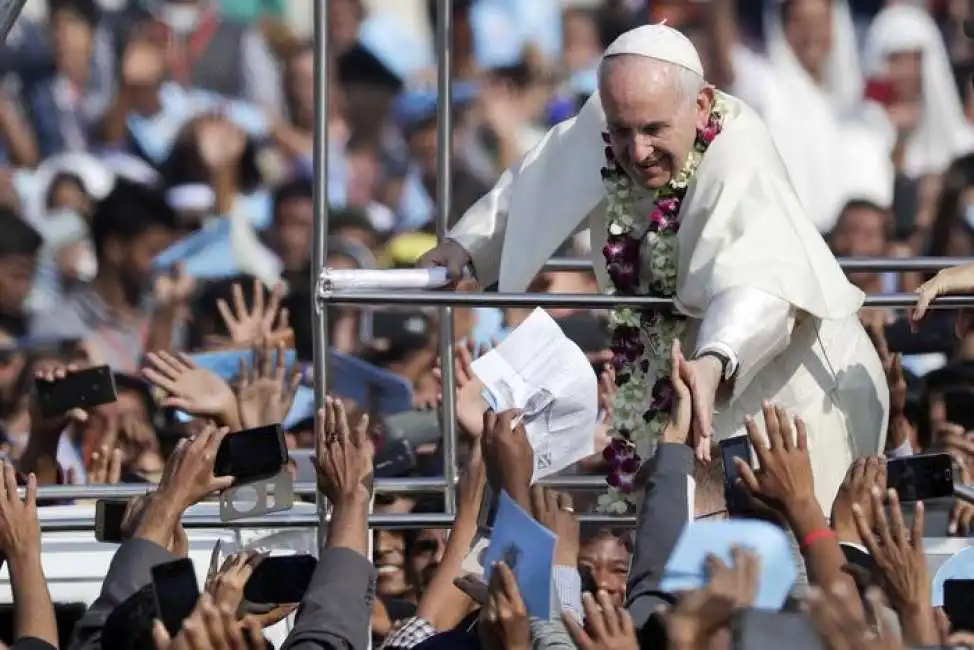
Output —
(686, 197)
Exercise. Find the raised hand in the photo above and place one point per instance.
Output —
(470, 402)
(221, 142)
(607, 626)
(785, 477)
(838, 619)
(343, 455)
(508, 455)
(191, 389)
(554, 511)
(173, 289)
(211, 628)
(703, 376)
(20, 531)
(227, 586)
(863, 477)
(504, 622)
(702, 612)
(189, 473)
(265, 390)
(262, 322)
(678, 427)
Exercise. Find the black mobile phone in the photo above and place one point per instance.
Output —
(252, 454)
(737, 447)
(108, 520)
(280, 580)
(395, 458)
(959, 407)
(176, 592)
(488, 509)
(959, 604)
(918, 478)
(83, 389)
(755, 629)
(588, 580)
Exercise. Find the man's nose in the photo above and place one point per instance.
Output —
(641, 148)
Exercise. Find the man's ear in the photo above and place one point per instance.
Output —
(705, 103)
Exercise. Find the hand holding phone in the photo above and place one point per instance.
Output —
(176, 592)
(63, 389)
(252, 454)
(280, 580)
(738, 502)
(922, 477)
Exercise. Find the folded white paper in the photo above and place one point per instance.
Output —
(382, 280)
(538, 370)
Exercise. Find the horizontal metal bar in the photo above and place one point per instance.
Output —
(283, 520)
(579, 301)
(382, 486)
(852, 264)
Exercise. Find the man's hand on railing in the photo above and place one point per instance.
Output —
(211, 628)
(449, 255)
(265, 389)
(192, 389)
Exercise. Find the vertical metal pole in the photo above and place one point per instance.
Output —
(444, 180)
(319, 253)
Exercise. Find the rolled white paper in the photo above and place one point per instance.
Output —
(383, 280)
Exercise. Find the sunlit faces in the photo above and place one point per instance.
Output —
(652, 113)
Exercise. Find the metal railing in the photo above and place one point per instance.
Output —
(849, 264)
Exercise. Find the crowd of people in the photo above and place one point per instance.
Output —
(156, 203)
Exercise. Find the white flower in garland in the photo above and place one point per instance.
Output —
(641, 258)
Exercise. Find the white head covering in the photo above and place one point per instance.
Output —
(843, 74)
(657, 42)
(943, 133)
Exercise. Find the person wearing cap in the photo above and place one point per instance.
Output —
(686, 198)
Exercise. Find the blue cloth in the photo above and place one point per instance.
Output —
(207, 253)
(498, 41)
(416, 207)
(392, 44)
(156, 135)
(685, 568)
(528, 548)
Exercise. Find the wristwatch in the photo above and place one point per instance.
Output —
(725, 363)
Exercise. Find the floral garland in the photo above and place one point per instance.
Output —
(641, 259)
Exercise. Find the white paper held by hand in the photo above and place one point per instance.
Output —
(538, 370)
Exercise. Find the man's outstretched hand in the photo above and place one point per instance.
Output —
(449, 255)
(703, 377)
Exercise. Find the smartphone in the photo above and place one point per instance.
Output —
(959, 407)
(588, 580)
(395, 458)
(280, 580)
(587, 331)
(108, 520)
(738, 503)
(83, 389)
(176, 592)
(252, 454)
(754, 629)
(959, 604)
(918, 478)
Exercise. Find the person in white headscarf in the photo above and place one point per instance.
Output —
(921, 117)
(807, 87)
(773, 317)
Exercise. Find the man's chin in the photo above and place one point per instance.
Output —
(652, 180)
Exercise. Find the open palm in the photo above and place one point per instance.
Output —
(189, 388)
(265, 391)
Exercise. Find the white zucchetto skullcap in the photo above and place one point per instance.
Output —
(657, 42)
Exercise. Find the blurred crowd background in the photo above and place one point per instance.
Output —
(155, 194)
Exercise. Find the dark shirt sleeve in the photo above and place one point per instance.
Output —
(666, 510)
(337, 608)
(130, 570)
(31, 643)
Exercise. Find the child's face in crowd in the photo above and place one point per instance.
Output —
(608, 560)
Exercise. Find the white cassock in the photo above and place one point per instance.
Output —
(754, 275)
